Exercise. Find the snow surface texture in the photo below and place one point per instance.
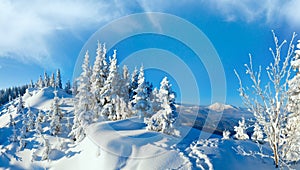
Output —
(123, 144)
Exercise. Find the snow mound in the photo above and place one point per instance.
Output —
(42, 98)
(220, 107)
(125, 144)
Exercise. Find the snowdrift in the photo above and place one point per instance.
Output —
(125, 145)
(41, 99)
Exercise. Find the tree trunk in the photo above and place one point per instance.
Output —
(276, 159)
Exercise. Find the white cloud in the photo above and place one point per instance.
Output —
(268, 11)
(27, 26)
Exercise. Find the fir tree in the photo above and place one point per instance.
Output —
(98, 78)
(141, 98)
(30, 119)
(31, 85)
(47, 149)
(46, 80)
(55, 124)
(110, 90)
(291, 137)
(156, 103)
(83, 110)
(14, 136)
(52, 80)
(68, 87)
(40, 117)
(257, 134)
(58, 79)
(164, 120)
(40, 82)
(133, 85)
(20, 107)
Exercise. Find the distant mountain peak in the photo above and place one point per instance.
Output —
(219, 107)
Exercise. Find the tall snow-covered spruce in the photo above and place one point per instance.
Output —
(292, 131)
(58, 79)
(83, 114)
(56, 116)
(142, 106)
(165, 118)
(98, 78)
(110, 91)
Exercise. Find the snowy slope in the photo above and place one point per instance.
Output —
(41, 99)
(124, 144)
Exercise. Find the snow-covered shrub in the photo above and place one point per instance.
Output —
(226, 135)
(241, 130)
(257, 135)
(269, 102)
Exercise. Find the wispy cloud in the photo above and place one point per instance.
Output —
(27, 26)
(268, 11)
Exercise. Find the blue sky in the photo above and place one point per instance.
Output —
(38, 36)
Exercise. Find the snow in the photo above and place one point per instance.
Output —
(122, 144)
(219, 107)
(42, 99)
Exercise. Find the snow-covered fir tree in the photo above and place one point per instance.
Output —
(41, 117)
(164, 120)
(14, 136)
(123, 108)
(98, 78)
(68, 124)
(31, 85)
(58, 79)
(133, 85)
(56, 116)
(291, 137)
(20, 106)
(142, 106)
(83, 114)
(74, 88)
(38, 127)
(109, 92)
(12, 122)
(46, 80)
(240, 130)
(40, 83)
(257, 133)
(155, 102)
(226, 135)
(52, 80)
(30, 119)
(47, 148)
(24, 128)
(68, 87)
